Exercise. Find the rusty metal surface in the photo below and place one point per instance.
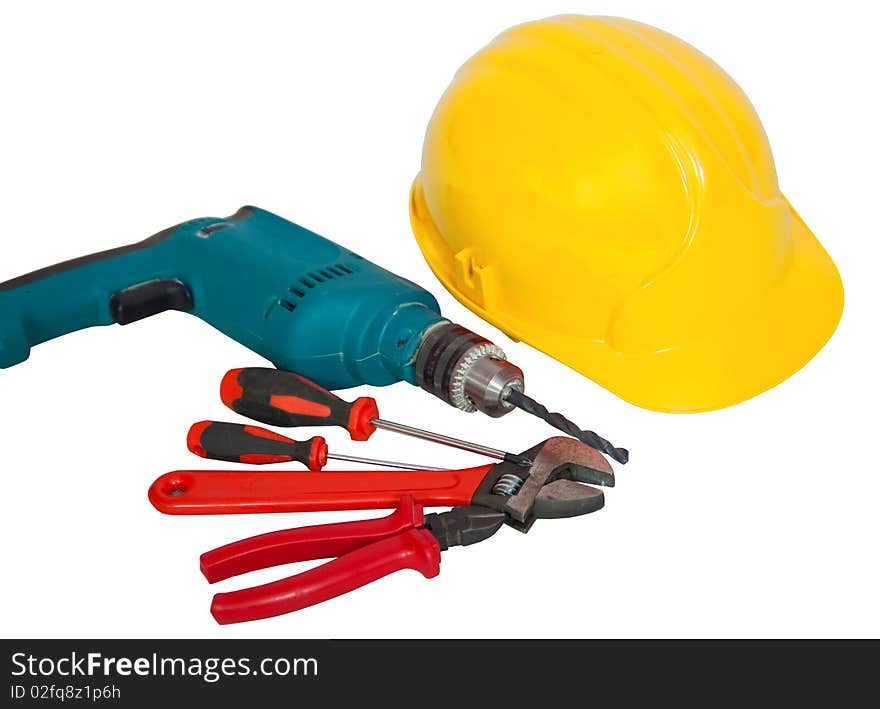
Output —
(565, 460)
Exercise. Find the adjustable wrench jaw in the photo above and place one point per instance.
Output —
(554, 487)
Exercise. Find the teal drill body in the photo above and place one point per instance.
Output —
(301, 301)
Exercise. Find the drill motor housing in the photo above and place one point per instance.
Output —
(301, 301)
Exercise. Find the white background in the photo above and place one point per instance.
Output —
(118, 120)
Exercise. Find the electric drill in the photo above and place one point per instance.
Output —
(303, 302)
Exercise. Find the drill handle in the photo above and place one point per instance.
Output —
(120, 285)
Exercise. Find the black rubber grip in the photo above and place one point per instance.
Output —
(286, 399)
(150, 298)
(239, 443)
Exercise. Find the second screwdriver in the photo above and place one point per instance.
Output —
(239, 443)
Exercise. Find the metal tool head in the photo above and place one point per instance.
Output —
(462, 526)
(553, 487)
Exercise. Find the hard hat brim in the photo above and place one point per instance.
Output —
(799, 316)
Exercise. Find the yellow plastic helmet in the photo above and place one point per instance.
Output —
(603, 191)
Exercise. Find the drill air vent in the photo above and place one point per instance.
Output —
(310, 281)
(322, 275)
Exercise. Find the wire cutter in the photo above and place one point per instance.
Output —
(558, 484)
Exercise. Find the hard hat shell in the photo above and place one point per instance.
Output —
(603, 191)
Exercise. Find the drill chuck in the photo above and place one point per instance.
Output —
(472, 374)
(466, 370)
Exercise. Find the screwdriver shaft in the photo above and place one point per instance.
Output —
(382, 463)
(451, 442)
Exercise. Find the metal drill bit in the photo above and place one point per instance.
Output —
(529, 405)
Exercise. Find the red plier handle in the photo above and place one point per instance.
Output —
(366, 551)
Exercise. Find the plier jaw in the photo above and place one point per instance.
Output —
(463, 526)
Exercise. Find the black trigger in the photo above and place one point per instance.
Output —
(150, 298)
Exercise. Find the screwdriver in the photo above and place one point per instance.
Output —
(281, 398)
(240, 443)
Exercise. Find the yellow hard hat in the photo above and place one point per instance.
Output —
(603, 191)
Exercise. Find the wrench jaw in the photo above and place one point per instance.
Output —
(559, 499)
(554, 487)
(566, 498)
(583, 474)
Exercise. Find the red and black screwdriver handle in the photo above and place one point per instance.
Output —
(366, 551)
(286, 399)
(239, 443)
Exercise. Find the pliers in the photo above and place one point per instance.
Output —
(483, 500)
(366, 551)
